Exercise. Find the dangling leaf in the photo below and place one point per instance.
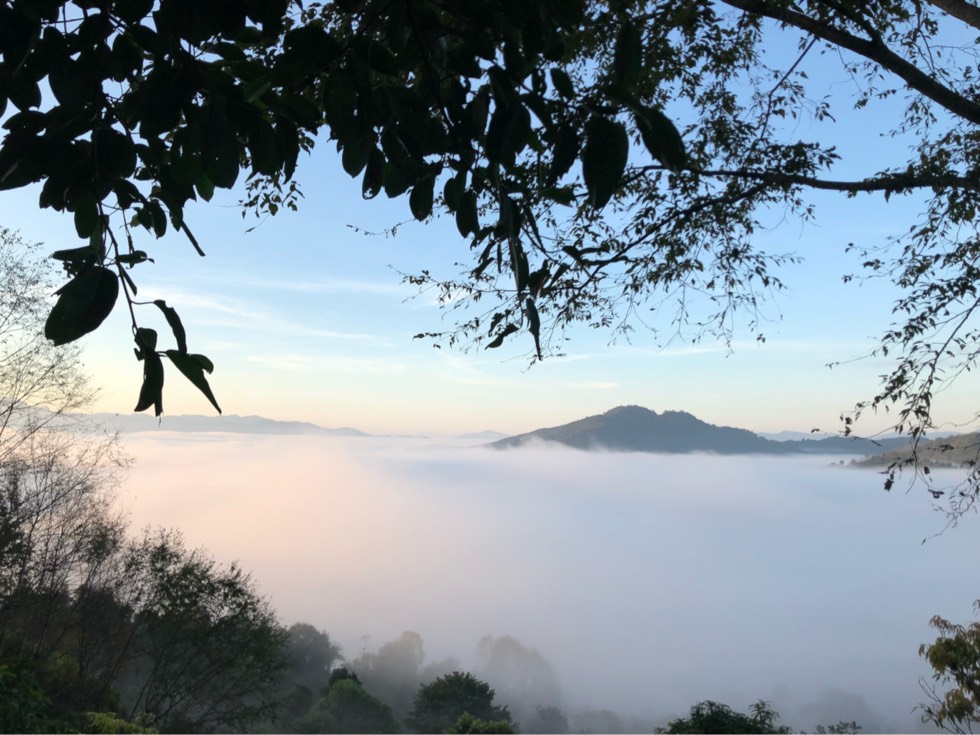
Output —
(467, 218)
(175, 324)
(604, 158)
(508, 330)
(147, 341)
(420, 200)
(661, 137)
(628, 56)
(193, 367)
(566, 151)
(151, 392)
(134, 258)
(534, 325)
(87, 218)
(76, 256)
(373, 174)
(562, 83)
(83, 304)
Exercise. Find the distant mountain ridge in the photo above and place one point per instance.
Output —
(962, 450)
(638, 429)
(135, 423)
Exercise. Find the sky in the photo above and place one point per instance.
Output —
(306, 318)
(677, 578)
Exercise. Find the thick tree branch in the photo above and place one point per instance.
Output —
(961, 10)
(894, 182)
(914, 77)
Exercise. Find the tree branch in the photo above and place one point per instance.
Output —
(877, 52)
(960, 9)
(889, 183)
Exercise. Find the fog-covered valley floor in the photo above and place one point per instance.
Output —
(648, 582)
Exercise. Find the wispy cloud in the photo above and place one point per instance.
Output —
(592, 385)
(319, 285)
(295, 362)
(229, 312)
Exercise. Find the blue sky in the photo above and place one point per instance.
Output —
(305, 318)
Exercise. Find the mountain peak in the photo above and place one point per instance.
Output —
(634, 428)
(637, 429)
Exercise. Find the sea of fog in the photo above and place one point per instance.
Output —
(649, 582)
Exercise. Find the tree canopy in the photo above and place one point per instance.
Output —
(599, 158)
(955, 660)
(708, 716)
(440, 704)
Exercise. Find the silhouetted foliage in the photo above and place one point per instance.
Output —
(439, 704)
(395, 671)
(955, 660)
(136, 631)
(467, 723)
(839, 728)
(310, 656)
(347, 708)
(547, 720)
(713, 717)
(553, 148)
(521, 677)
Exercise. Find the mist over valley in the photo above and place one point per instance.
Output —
(647, 582)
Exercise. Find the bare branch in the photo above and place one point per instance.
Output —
(872, 50)
(960, 9)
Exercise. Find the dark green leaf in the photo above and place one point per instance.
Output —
(205, 188)
(193, 369)
(534, 325)
(420, 200)
(628, 56)
(661, 137)
(151, 392)
(604, 158)
(399, 177)
(262, 149)
(354, 158)
(467, 219)
(83, 304)
(497, 318)
(127, 57)
(147, 340)
(134, 258)
(158, 218)
(510, 218)
(566, 151)
(373, 174)
(508, 330)
(67, 85)
(132, 11)
(509, 133)
(519, 265)
(175, 324)
(115, 154)
(24, 92)
(76, 255)
(453, 190)
(562, 83)
(204, 362)
(561, 194)
(87, 218)
(224, 165)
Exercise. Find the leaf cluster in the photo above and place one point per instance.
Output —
(955, 660)
(440, 705)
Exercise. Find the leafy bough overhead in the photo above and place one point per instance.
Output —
(599, 158)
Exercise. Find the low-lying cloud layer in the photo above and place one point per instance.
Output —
(648, 582)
